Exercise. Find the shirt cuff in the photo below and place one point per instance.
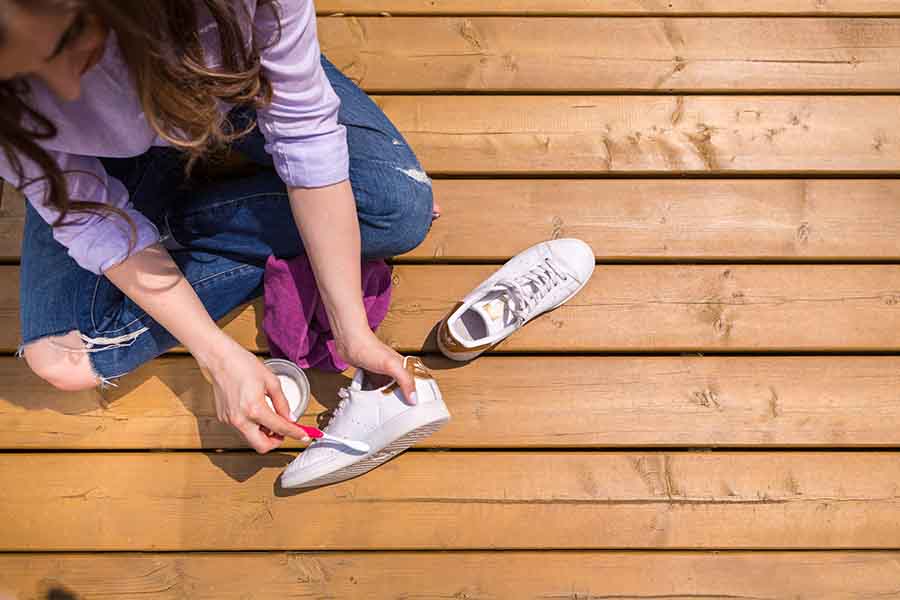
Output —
(311, 162)
(106, 243)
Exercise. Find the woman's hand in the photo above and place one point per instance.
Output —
(366, 351)
(240, 383)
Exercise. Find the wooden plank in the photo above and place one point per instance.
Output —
(648, 308)
(384, 576)
(678, 308)
(670, 219)
(611, 7)
(650, 134)
(594, 500)
(427, 54)
(692, 219)
(528, 402)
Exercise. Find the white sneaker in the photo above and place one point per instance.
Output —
(379, 418)
(531, 283)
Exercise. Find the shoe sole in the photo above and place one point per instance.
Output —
(411, 433)
(467, 356)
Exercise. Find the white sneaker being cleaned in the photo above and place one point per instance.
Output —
(379, 418)
(531, 283)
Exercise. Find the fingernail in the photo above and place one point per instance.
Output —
(435, 216)
(414, 398)
(306, 440)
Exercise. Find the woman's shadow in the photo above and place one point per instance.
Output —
(221, 443)
(189, 424)
(179, 376)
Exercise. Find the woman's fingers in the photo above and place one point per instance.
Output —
(278, 425)
(268, 433)
(375, 357)
(258, 440)
(406, 382)
(282, 408)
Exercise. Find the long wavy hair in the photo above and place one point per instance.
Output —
(179, 94)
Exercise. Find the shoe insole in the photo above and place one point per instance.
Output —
(485, 318)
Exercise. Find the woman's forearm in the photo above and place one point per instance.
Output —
(240, 381)
(153, 280)
(327, 221)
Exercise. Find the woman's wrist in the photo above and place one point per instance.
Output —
(212, 353)
(350, 341)
(349, 322)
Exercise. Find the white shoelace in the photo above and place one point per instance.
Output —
(527, 290)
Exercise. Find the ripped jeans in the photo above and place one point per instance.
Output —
(220, 233)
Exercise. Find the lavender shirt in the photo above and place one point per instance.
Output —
(308, 146)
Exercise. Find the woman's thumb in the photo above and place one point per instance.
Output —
(407, 385)
(276, 395)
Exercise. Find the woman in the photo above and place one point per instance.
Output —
(105, 105)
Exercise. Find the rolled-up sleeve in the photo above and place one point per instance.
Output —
(96, 242)
(308, 146)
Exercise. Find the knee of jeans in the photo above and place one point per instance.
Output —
(413, 210)
(68, 372)
(412, 217)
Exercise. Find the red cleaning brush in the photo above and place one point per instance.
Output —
(317, 434)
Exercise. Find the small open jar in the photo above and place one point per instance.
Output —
(294, 385)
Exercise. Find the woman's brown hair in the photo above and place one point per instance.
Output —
(160, 43)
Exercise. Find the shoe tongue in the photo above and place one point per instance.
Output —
(495, 312)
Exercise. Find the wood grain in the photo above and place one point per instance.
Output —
(511, 402)
(670, 219)
(678, 308)
(594, 500)
(612, 7)
(571, 135)
(474, 575)
(649, 308)
(436, 54)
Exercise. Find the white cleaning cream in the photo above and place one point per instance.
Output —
(292, 393)
(295, 392)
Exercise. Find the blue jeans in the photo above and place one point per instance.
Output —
(220, 234)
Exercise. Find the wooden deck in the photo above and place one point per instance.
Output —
(716, 416)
